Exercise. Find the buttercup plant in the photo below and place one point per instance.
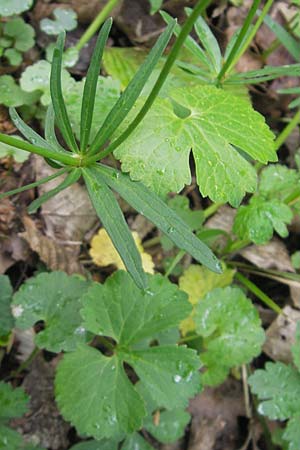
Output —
(82, 159)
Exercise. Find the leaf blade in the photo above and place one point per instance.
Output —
(111, 215)
(152, 207)
(88, 99)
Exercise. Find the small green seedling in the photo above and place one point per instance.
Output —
(81, 159)
(16, 37)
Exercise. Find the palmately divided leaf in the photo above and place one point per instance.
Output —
(169, 373)
(292, 433)
(219, 124)
(231, 331)
(119, 309)
(52, 297)
(278, 389)
(6, 318)
(21, 32)
(258, 220)
(107, 404)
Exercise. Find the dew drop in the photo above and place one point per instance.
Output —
(177, 378)
(170, 230)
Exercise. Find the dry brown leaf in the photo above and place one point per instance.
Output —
(52, 253)
(272, 255)
(281, 335)
(104, 253)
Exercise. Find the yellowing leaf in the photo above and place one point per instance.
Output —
(104, 253)
(197, 281)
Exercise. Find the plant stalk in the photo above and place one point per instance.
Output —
(96, 24)
(281, 138)
(258, 293)
(185, 31)
(235, 49)
(73, 160)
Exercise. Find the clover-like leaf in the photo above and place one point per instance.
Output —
(110, 404)
(258, 220)
(12, 95)
(8, 150)
(6, 318)
(231, 330)
(21, 32)
(10, 7)
(65, 20)
(54, 298)
(13, 56)
(137, 442)
(218, 126)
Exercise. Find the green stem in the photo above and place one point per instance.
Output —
(185, 31)
(232, 55)
(192, 337)
(281, 138)
(236, 245)
(210, 210)
(71, 160)
(258, 293)
(96, 24)
(26, 363)
(151, 242)
(253, 32)
(174, 263)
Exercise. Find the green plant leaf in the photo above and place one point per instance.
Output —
(112, 218)
(13, 402)
(22, 33)
(214, 134)
(107, 404)
(152, 207)
(136, 442)
(52, 297)
(296, 348)
(107, 93)
(96, 445)
(171, 425)
(136, 316)
(181, 205)
(61, 115)
(284, 37)
(155, 5)
(14, 57)
(169, 373)
(126, 319)
(292, 433)
(258, 220)
(231, 330)
(50, 134)
(37, 78)
(278, 181)
(123, 62)
(64, 20)
(90, 86)
(10, 7)
(10, 439)
(278, 388)
(8, 150)
(12, 95)
(6, 318)
(128, 98)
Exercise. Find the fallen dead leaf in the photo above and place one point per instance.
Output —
(104, 253)
(281, 335)
(54, 255)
